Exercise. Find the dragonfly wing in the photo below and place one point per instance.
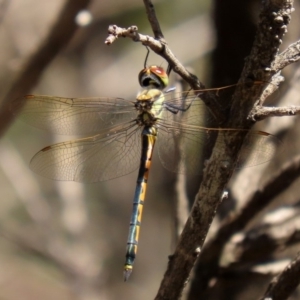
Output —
(97, 158)
(190, 103)
(186, 108)
(182, 136)
(73, 115)
(258, 148)
(182, 148)
(185, 139)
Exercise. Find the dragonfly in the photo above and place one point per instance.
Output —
(123, 135)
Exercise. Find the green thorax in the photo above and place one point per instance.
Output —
(149, 104)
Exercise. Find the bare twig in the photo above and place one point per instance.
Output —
(261, 112)
(153, 20)
(287, 57)
(284, 284)
(132, 32)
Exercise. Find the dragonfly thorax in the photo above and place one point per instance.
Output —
(149, 106)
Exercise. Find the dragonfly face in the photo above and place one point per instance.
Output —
(122, 135)
(153, 76)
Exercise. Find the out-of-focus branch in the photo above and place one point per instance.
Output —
(212, 251)
(58, 37)
(25, 187)
(279, 230)
(285, 283)
(208, 264)
(153, 20)
(41, 238)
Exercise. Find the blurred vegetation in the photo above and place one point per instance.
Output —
(65, 240)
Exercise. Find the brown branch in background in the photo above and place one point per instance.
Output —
(42, 238)
(208, 264)
(59, 36)
(23, 238)
(45, 241)
(153, 20)
(285, 283)
(26, 188)
(279, 230)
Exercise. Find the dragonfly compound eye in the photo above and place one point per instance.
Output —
(154, 76)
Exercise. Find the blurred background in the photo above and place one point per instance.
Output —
(66, 240)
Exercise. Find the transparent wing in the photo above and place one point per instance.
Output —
(258, 148)
(180, 103)
(182, 149)
(182, 136)
(184, 141)
(73, 115)
(97, 158)
(179, 149)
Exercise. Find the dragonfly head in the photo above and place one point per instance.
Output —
(154, 76)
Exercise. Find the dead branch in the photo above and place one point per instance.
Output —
(261, 112)
(221, 164)
(208, 264)
(285, 283)
(287, 57)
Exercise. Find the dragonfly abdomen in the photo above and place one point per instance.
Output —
(149, 135)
